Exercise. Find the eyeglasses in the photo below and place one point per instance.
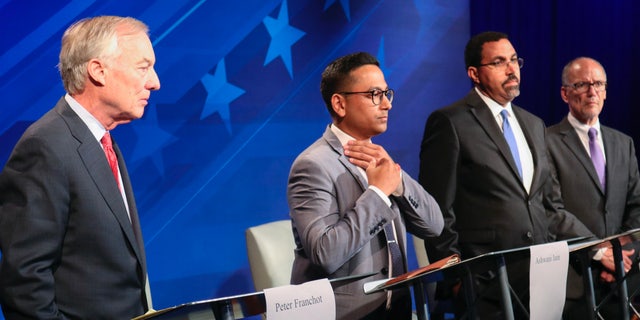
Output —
(376, 95)
(583, 86)
(502, 64)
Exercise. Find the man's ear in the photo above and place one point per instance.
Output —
(563, 94)
(472, 72)
(96, 71)
(338, 105)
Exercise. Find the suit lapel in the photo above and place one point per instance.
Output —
(133, 211)
(335, 144)
(485, 118)
(574, 144)
(531, 143)
(98, 169)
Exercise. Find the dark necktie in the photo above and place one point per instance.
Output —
(596, 156)
(511, 140)
(111, 156)
(396, 267)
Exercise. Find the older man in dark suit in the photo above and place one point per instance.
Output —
(484, 160)
(597, 173)
(69, 229)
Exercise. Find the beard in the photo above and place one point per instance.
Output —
(513, 91)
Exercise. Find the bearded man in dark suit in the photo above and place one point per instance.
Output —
(491, 193)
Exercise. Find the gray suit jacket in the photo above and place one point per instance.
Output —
(68, 248)
(608, 212)
(465, 163)
(338, 223)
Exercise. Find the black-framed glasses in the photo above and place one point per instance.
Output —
(502, 64)
(376, 95)
(583, 86)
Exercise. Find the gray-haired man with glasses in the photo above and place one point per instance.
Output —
(597, 174)
(484, 160)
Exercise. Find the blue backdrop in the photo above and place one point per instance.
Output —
(239, 100)
(549, 33)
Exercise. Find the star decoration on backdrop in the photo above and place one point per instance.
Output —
(220, 93)
(151, 139)
(283, 36)
(343, 3)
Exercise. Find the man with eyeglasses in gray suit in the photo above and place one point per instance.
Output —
(597, 173)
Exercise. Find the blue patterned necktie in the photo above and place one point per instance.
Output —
(396, 266)
(596, 156)
(396, 262)
(511, 140)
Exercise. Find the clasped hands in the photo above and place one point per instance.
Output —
(382, 171)
(608, 262)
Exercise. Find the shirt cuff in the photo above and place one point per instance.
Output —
(382, 195)
(400, 189)
(599, 254)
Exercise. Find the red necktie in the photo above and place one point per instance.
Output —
(111, 156)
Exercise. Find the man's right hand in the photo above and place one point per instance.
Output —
(382, 171)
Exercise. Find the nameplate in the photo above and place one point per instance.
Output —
(548, 279)
(309, 301)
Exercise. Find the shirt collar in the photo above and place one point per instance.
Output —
(495, 107)
(342, 136)
(96, 128)
(581, 127)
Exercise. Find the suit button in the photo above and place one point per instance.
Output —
(528, 235)
(384, 271)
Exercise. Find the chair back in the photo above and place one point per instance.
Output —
(270, 248)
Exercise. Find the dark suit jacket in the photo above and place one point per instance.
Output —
(604, 213)
(338, 223)
(465, 163)
(68, 248)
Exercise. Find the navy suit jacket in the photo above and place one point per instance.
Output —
(68, 247)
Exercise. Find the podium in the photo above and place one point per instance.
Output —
(227, 308)
(497, 261)
(583, 253)
(463, 270)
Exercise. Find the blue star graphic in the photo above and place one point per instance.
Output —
(220, 94)
(151, 138)
(343, 3)
(283, 36)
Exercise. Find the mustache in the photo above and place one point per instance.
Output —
(510, 78)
